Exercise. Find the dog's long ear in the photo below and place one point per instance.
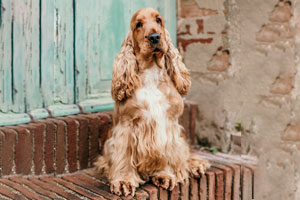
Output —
(176, 68)
(125, 78)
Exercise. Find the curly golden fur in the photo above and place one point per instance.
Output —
(146, 140)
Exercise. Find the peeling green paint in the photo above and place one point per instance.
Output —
(57, 54)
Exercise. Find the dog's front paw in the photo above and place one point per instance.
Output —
(122, 188)
(165, 181)
(198, 166)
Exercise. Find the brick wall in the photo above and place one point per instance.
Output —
(64, 144)
(244, 61)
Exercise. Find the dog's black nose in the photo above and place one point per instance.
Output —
(154, 38)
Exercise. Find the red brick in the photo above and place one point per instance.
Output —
(8, 149)
(91, 185)
(281, 13)
(292, 133)
(38, 140)
(190, 9)
(211, 185)
(219, 61)
(60, 146)
(247, 184)
(49, 146)
(184, 190)
(72, 132)
(228, 181)
(268, 33)
(200, 25)
(23, 150)
(27, 193)
(194, 187)
(236, 181)
(2, 140)
(34, 187)
(203, 187)
(141, 194)
(6, 192)
(94, 124)
(175, 193)
(219, 193)
(48, 185)
(152, 191)
(185, 42)
(105, 125)
(163, 194)
(76, 189)
(282, 85)
(83, 141)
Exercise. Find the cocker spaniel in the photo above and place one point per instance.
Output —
(146, 140)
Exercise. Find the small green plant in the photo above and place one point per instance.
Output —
(213, 149)
(238, 126)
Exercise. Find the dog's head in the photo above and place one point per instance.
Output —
(146, 41)
(148, 32)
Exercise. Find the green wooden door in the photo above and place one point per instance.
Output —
(57, 55)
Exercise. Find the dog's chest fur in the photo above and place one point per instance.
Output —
(155, 100)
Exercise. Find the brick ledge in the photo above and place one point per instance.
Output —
(230, 177)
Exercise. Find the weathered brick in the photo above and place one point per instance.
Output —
(219, 193)
(219, 61)
(26, 192)
(189, 8)
(93, 127)
(194, 189)
(282, 12)
(211, 184)
(105, 125)
(236, 181)
(48, 185)
(8, 150)
(76, 189)
(36, 188)
(72, 132)
(203, 187)
(91, 185)
(38, 140)
(247, 184)
(227, 180)
(282, 85)
(163, 194)
(199, 23)
(175, 193)
(184, 190)
(186, 42)
(23, 150)
(2, 140)
(83, 141)
(268, 33)
(10, 193)
(49, 153)
(292, 133)
(152, 191)
(141, 195)
(60, 146)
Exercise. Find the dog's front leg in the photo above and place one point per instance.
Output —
(117, 162)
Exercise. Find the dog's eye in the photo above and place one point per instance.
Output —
(139, 24)
(158, 20)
